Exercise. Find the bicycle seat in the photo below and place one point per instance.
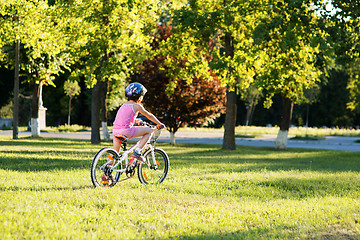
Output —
(121, 138)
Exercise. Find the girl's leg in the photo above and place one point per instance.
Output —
(145, 132)
(116, 144)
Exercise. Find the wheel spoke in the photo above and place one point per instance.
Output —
(102, 174)
(151, 174)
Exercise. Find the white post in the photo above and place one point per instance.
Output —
(172, 138)
(281, 140)
(105, 130)
(35, 128)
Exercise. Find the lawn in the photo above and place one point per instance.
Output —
(251, 193)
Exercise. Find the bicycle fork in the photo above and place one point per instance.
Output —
(155, 164)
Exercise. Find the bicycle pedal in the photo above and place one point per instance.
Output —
(104, 180)
(130, 173)
(154, 167)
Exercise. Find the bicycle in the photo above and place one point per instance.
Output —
(108, 165)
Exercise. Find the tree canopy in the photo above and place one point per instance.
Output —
(190, 102)
(283, 48)
(38, 27)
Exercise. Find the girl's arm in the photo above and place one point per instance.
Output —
(149, 115)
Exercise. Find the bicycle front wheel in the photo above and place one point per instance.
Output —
(154, 174)
(101, 174)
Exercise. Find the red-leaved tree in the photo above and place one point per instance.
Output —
(196, 102)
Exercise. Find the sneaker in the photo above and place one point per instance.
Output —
(138, 156)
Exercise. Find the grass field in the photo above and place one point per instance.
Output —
(250, 193)
(241, 131)
(298, 131)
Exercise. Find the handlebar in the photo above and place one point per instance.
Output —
(144, 123)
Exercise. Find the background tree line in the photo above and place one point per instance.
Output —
(298, 59)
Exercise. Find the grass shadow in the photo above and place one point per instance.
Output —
(45, 142)
(258, 158)
(44, 188)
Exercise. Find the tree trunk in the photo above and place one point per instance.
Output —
(172, 138)
(69, 111)
(35, 126)
(103, 92)
(248, 114)
(230, 117)
(16, 92)
(230, 121)
(96, 98)
(287, 108)
(95, 114)
(253, 106)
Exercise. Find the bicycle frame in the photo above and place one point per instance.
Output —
(125, 157)
(109, 165)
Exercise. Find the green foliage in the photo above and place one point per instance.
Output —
(205, 25)
(7, 111)
(39, 29)
(250, 193)
(354, 85)
(71, 88)
(251, 95)
(193, 100)
(66, 128)
(110, 36)
(331, 105)
(289, 40)
(346, 39)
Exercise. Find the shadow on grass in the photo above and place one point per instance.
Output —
(62, 154)
(44, 188)
(208, 162)
(36, 164)
(260, 158)
(45, 154)
(294, 174)
(45, 142)
(282, 232)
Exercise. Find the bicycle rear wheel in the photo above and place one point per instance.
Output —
(150, 174)
(101, 174)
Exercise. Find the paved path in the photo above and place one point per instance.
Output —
(330, 143)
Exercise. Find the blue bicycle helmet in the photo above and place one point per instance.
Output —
(134, 91)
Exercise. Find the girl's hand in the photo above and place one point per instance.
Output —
(160, 126)
(139, 122)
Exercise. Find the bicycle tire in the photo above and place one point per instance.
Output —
(151, 176)
(97, 171)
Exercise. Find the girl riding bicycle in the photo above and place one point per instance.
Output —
(126, 118)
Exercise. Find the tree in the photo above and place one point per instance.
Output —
(194, 102)
(346, 21)
(190, 102)
(115, 40)
(221, 30)
(43, 44)
(354, 86)
(289, 39)
(251, 97)
(71, 89)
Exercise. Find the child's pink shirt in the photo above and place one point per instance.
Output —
(125, 117)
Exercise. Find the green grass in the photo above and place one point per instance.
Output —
(245, 136)
(308, 137)
(66, 128)
(241, 131)
(250, 193)
(298, 131)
